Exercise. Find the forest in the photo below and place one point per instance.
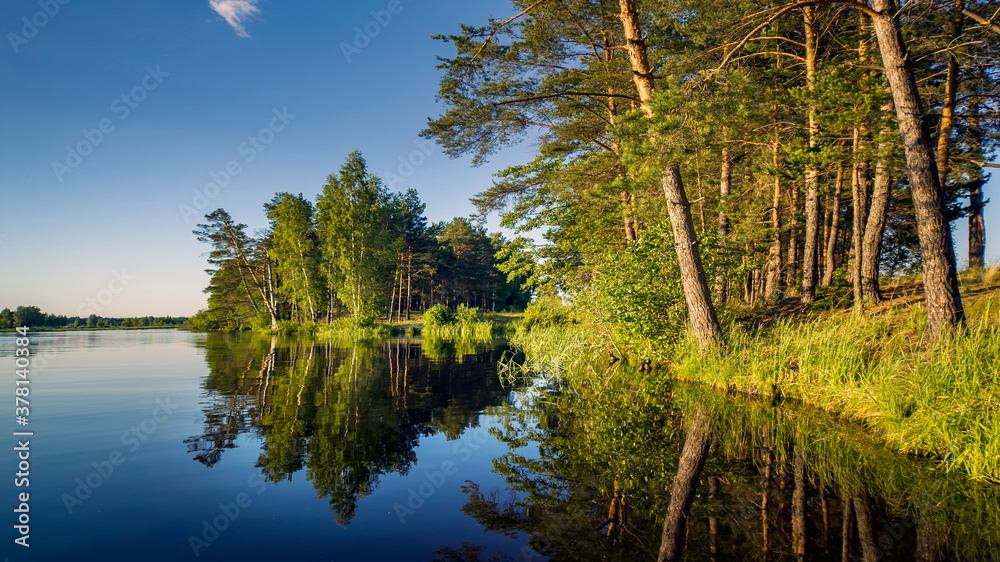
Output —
(693, 157)
(693, 154)
(360, 253)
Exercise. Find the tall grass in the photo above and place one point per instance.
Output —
(914, 393)
(347, 328)
(462, 330)
(559, 350)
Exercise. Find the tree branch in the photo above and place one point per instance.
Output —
(980, 19)
(784, 10)
(502, 25)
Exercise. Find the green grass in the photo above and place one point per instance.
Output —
(471, 330)
(346, 328)
(913, 393)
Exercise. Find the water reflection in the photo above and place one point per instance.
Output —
(653, 471)
(346, 413)
(618, 467)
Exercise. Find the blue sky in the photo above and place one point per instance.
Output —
(204, 90)
(154, 98)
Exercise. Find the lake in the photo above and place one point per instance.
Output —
(172, 445)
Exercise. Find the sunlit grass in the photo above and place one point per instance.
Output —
(346, 328)
(913, 392)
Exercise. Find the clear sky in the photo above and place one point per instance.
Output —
(114, 113)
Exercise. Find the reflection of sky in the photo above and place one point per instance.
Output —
(99, 386)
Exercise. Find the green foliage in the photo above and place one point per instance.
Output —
(438, 315)
(467, 315)
(360, 230)
(639, 292)
(36, 319)
(546, 312)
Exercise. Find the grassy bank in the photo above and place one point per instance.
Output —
(913, 393)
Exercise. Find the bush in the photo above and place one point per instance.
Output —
(546, 312)
(438, 315)
(466, 315)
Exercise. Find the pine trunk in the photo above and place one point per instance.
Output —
(772, 284)
(977, 228)
(950, 88)
(859, 194)
(792, 267)
(725, 181)
(831, 239)
(696, 291)
(871, 244)
(941, 290)
(810, 250)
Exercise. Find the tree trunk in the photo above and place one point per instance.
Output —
(626, 216)
(871, 245)
(859, 194)
(772, 284)
(941, 290)
(409, 281)
(948, 106)
(693, 455)
(642, 72)
(699, 300)
(831, 240)
(696, 291)
(792, 268)
(810, 250)
(977, 228)
(725, 181)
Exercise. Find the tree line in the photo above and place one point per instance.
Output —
(697, 153)
(33, 317)
(357, 252)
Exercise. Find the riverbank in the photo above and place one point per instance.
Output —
(881, 369)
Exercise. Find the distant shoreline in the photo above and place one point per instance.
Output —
(94, 329)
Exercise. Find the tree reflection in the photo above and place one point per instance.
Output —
(345, 413)
(619, 469)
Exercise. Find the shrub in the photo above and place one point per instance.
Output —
(546, 312)
(438, 315)
(466, 315)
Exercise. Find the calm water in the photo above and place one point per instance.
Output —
(168, 445)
